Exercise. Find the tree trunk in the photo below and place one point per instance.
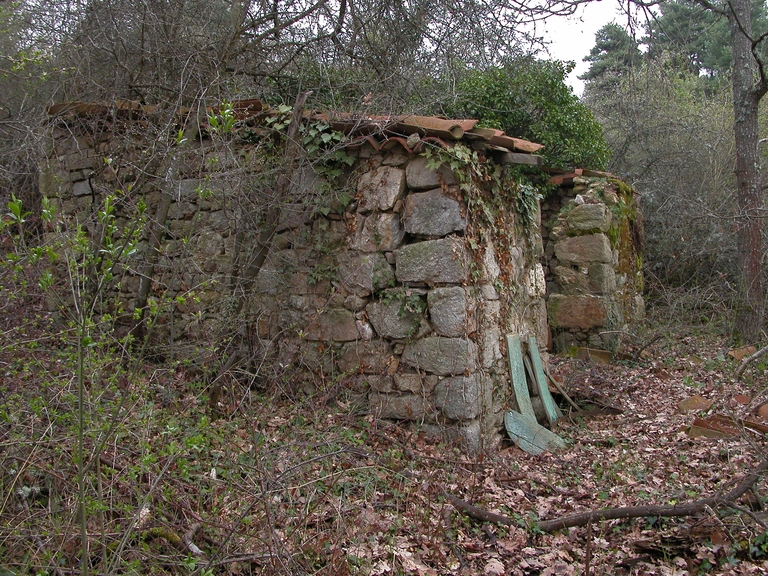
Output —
(747, 92)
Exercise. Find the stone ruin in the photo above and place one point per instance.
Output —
(374, 283)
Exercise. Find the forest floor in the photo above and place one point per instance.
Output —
(280, 482)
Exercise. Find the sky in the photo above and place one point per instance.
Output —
(572, 38)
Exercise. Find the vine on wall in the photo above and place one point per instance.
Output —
(502, 200)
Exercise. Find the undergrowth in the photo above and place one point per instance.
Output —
(264, 482)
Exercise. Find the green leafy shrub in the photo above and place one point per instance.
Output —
(528, 98)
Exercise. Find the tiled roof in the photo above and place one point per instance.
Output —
(382, 132)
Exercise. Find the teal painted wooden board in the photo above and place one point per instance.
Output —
(529, 435)
(553, 412)
(517, 374)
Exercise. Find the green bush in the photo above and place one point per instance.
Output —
(528, 98)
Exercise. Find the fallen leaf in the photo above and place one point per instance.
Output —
(694, 403)
(494, 568)
(742, 399)
(594, 355)
(741, 353)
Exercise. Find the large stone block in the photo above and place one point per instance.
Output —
(589, 217)
(421, 177)
(373, 357)
(405, 407)
(459, 397)
(584, 249)
(380, 232)
(392, 319)
(334, 325)
(432, 213)
(362, 274)
(380, 188)
(444, 261)
(416, 383)
(580, 312)
(451, 310)
(81, 188)
(293, 215)
(602, 278)
(442, 356)
(535, 282)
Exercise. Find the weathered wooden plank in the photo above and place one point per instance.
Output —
(533, 385)
(517, 374)
(553, 412)
(529, 435)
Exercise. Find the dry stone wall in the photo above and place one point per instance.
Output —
(374, 282)
(594, 255)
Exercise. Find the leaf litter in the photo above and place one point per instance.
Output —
(283, 483)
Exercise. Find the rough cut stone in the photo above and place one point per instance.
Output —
(568, 279)
(293, 215)
(380, 232)
(82, 188)
(181, 211)
(444, 261)
(602, 278)
(391, 320)
(491, 267)
(269, 281)
(584, 249)
(372, 357)
(362, 274)
(405, 407)
(364, 383)
(380, 188)
(416, 383)
(582, 312)
(535, 282)
(314, 357)
(334, 325)
(432, 213)
(208, 243)
(459, 397)
(451, 311)
(419, 177)
(468, 435)
(442, 356)
(589, 217)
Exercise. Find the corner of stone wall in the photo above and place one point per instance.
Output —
(381, 296)
(593, 247)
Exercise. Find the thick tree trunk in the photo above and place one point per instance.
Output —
(747, 92)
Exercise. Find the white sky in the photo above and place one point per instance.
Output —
(572, 38)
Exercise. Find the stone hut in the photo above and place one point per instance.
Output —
(390, 259)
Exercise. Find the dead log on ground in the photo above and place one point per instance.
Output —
(584, 518)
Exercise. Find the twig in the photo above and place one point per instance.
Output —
(448, 528)
(647, 345)
(478, 513)
(187, 539)
(240, 558)
(749, 513)
(748, 360)
(560, 389)
(588, 550)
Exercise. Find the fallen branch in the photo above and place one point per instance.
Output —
(478, 513)
(689, 509)
(749, 359)
(562, 391)
(586, 518)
